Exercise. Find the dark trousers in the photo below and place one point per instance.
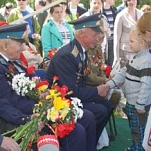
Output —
(102, 110)
(83, 137)
(110, 52)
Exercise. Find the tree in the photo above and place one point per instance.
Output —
(3, 2)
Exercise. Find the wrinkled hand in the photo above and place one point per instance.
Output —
(9, 144)
(40, 124)
(34, 115)
(140, 111)
(103, 90)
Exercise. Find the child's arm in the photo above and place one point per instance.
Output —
(118, 79)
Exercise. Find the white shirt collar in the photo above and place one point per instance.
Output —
(4, 57)
(61, 23)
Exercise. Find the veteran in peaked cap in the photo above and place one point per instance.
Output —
(16, 32)
(70, 65)
(94, 22)
(12, 37)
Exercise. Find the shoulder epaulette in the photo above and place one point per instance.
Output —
(75, 51)
(2, 61)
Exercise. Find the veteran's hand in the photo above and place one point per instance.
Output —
(34, 115)
(140, 111)
(40, 124)
(103, 90)
(9, 144)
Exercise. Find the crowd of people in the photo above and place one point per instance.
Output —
(86, 41)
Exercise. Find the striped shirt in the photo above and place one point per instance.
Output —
(66, 35)
(110, 18)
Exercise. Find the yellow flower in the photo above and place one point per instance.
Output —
(42, 88)
(60, 103)
(40, 103)
(53, 94)
(64, 112)
(52, 114)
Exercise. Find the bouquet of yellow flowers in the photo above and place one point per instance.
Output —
(52, 107)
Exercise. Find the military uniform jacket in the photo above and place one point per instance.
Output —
(69, 66)
(13, 108)
(95, 63)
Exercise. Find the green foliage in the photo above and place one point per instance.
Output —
(31, 2)
(3, 2)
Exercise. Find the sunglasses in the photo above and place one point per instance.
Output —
(21, 0)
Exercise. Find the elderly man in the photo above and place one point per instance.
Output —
(70, 63)
(16, 110)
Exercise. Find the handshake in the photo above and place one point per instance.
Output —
(103, 90)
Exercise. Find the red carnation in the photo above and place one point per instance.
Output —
(55, 78)
(65, 129)
(56, 87)
(52, 52)
(41, 83)
(108, 71)
(30, 70)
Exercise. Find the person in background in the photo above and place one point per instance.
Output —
(5, 11)
(75, 8)
(96, 6)
(137, 88)
(110, 12)
(67, 15)
(57, 32)
(120, 7)
(34, 26)
(70, 63)
(29, 8)
(41, 17)
(8, 144)
(125, 21)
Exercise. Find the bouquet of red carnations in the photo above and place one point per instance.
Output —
(52, 107)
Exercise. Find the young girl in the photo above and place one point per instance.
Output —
(136, 79)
